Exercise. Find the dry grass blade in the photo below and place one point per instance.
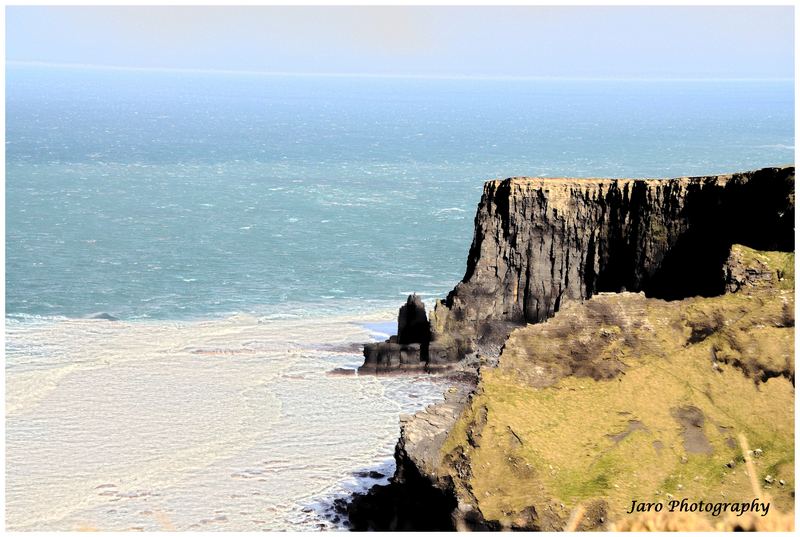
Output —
(576, 518)
(751, 469)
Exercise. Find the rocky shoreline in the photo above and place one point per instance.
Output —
(414, 499)
(546, 245)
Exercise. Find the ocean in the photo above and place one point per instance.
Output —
(247, 232)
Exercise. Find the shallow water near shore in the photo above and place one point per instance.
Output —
(232, 424)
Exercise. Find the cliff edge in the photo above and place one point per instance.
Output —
(540, 243)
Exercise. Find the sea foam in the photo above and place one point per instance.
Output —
(229, 424)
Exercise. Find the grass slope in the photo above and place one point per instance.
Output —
(624, 397)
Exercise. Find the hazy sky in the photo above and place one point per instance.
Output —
(652, 42)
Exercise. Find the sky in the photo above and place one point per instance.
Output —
(520, 41)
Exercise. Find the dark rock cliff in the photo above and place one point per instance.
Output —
(540, 242)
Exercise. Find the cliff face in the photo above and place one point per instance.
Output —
(541, 242)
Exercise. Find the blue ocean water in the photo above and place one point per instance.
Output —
(172, 195)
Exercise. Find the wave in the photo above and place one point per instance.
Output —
(776, 146)
(32, 317)
(102, 316)
(344, 306)
(451, 210)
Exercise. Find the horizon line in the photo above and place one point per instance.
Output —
(451, 76)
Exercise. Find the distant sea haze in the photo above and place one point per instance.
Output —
(247, 233)
(183, 195)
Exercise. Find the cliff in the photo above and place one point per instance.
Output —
(539, 243)
(651, 322)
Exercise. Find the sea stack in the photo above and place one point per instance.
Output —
(410, 349)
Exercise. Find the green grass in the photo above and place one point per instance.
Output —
(780, 262)
(566, 422)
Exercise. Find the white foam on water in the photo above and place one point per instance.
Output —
(231, 424)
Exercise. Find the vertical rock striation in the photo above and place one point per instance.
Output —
(540, 242)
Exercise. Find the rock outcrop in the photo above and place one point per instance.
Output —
(746, 267)
(412, 323)
(541, 242)
(410, 350)
(415, 498)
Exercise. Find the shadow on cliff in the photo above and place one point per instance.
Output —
(744, 214)
(413, 505)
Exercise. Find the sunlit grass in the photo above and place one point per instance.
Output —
(578, 440)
